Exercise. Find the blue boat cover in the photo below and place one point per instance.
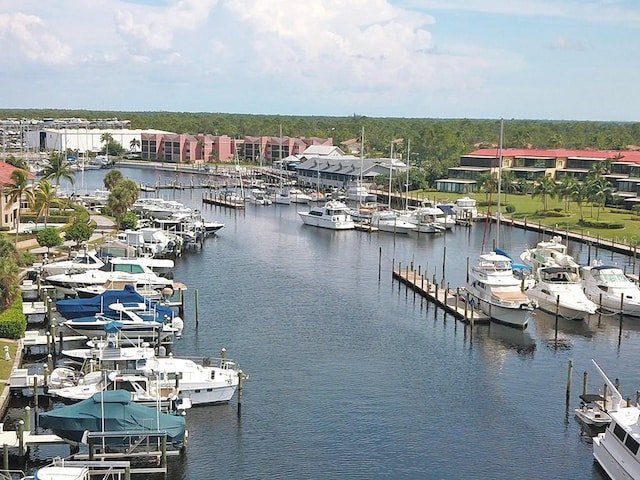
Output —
(72, 308)
(121, 414)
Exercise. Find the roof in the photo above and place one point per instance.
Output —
(6, 170)
(323, 151)
(617, 155)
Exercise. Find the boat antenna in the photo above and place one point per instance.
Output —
(616, 397)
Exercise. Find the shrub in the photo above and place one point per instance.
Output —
(510, 208)
(606, 225)
(13, 322)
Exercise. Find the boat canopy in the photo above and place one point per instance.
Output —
(121, 414)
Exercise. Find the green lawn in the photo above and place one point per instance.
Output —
(555, 216)
(5, 366)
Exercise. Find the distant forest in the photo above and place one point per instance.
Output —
(434, 143)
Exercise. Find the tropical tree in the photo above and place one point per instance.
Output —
(134, 144)
(107, 139)
(16, 190)
(580, 195)
(79, 232)
(507, 181)
(49, 237)
(489, 183)
(44, 198)
(599, 190)
(59, 167)
(9, 285)
(545, 187)
(112, 178)
(121, 198)
(565, 190)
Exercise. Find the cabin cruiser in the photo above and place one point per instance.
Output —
(88, 260)
(259, 197)
(498, 291)
(465, 210)
(616, 449)
(425, 219)
(298, 196)
(138, 322)
(559, 289)
(611, 289)
(548, 253)
(359, 193)
(389, 221)
(333, 215)
(123, 270)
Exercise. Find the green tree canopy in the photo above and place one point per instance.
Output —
(112, 178)
(49, 237)
(59, 168)
(79, 232)
(121, 198)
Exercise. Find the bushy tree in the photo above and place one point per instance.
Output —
(79, 232)
(49, 237)
(121, 198)
(112, 178)
(129, 221)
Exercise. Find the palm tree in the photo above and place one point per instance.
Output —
(9, 285)
(44, 197)
(565, 190)
(598, 192)
(545, 187)
(580, 194)
(487, 182)
(107, 139)
(16, 190)
(134, 143)
(59, 168)
(507, 180)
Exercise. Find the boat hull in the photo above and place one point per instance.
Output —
(336, 224)
(608, 462)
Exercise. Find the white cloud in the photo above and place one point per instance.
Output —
(28, 36)
(565, 43)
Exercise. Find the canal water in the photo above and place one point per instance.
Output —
(353, 376)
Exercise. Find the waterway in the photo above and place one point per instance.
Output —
(353, 376)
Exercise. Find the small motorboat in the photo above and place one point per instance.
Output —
(592, 411)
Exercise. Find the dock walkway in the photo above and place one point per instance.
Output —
(454, 302)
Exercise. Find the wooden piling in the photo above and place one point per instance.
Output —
(5, 457)
(621, 315)
(240, 385)
(196, 308)
(568, 393)
(585, 377)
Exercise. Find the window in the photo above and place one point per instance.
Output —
(632, 444)
(619, 432)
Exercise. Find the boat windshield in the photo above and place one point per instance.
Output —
(610, 276)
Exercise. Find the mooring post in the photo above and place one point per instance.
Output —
(27, 418)
(21, 438)
(240, 384)
(180, 303)
(380, 263)
(557, 314)
(621, 315)
(196, 307)
(5, 457)
(585, 377)
(569, 374)
(604, 395)
(444, 262)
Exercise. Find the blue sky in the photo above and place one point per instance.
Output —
(525, 59)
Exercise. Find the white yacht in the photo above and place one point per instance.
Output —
(123, 270)
(465, 210)
(359, 193)
(547, 254)
(617, 449)
(609, 288)
(498, 291)
(425, 219)
(78, 262)
(298, 196)
(559, 289)
(333, 215)
(388, 221)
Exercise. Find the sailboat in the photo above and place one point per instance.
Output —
(281, 196)
(492, 281)
(357, 191)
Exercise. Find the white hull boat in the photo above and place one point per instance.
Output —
(609, 288)
(617, 449)
(333, 215)
(387, 221)
(559, 289)
(548, 254)
(498, 291)
(592, 412)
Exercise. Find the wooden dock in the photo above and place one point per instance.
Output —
(456, 302)
(221, 201)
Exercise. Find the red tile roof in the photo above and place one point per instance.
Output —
(6, 169)
(616, 155)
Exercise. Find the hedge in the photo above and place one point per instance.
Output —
(13, 323)
(592, 224)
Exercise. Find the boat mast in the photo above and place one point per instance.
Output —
(407, 184)
(390, 173)
(360, 196)
(499, 180)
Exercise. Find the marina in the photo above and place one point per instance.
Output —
(376, 380)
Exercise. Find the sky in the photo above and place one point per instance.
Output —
(522, 59)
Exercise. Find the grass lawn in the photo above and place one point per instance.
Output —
(532, 209)
(5, 366)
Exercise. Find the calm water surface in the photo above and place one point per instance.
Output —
(352, 376)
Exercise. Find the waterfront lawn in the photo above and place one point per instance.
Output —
(5, 366)
(556, 217)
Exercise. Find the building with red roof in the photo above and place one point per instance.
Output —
(532, 164)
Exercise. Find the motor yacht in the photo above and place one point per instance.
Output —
(333, 215)
(610, 289)
(389, 221)
(498, 291)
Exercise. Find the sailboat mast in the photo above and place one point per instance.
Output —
(360, 189)
(407, 184)
(499, 180)
(390, 173)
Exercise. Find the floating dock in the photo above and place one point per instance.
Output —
(455, 302)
